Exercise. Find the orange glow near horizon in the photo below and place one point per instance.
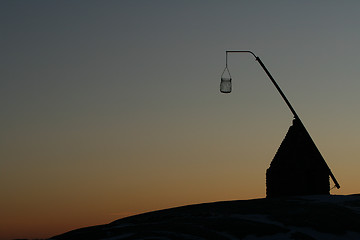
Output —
(112, 108)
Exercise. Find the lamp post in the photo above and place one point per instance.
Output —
(226, 87)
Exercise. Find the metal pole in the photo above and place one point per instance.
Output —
(278, 88)
(290, 107)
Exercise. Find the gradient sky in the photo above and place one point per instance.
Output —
(112, 108)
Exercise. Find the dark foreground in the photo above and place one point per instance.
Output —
(297, 218)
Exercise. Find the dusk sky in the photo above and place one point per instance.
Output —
(113, 108)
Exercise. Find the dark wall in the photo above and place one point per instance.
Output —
(297, 168)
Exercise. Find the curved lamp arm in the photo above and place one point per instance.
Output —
(271, 78)
(287, 103)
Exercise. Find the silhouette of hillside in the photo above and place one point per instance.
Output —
(297, 218)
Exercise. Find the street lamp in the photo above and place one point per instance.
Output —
(226, 87)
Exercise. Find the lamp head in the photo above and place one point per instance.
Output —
(225, 85)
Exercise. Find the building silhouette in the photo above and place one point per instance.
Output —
(298, 167)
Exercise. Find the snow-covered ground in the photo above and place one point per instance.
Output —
(333, 217)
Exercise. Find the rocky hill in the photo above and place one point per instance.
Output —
(327, 217)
